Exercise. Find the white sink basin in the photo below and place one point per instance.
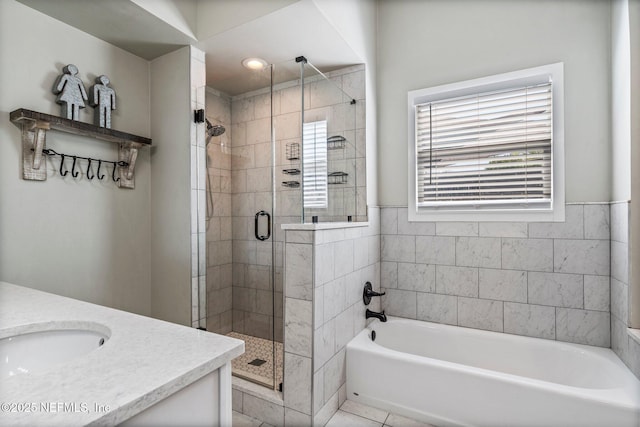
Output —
(35, 352)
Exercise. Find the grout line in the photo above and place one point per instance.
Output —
(584, 297)
(555, 320)
(386, 419)
(584, 231)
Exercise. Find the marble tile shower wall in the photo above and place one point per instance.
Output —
(325, 272)
(545, 280)
(218, 224)
(623, 343)
(339, 312)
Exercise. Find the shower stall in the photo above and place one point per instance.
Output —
(286, 145)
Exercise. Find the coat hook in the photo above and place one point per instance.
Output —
(73, 168)
(100, 177)
(113, 173)
(61, 165)
(90, 175)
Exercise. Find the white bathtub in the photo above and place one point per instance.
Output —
(453, 376)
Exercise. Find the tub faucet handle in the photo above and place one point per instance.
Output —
(368, 292)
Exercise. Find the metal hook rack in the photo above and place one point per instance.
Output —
(89, 173)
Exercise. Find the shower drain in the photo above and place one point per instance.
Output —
(257, 362)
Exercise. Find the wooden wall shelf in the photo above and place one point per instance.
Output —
(34, 126)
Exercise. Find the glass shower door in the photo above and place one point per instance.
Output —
(252, 204)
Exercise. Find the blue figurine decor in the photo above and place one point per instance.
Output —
(71, 92)
(103, 98)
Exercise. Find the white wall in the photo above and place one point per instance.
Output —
(87, 240)
(217, 16)
(171, 116)
(356, 21)
(423, 44)
(634, 261)
(620, 101)
(182, 15)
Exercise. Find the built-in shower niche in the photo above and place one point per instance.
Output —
(258, 164)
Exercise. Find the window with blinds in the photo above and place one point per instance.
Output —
(314, 164)
(486, 150)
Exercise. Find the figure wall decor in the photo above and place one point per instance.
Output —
(72, 96)
(103, 99)
(71, 92)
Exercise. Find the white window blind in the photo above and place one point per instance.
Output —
(314, 161)
(486, 150)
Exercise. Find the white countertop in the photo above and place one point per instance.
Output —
(143, 361)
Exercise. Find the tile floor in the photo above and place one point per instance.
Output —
(350, 414)
(258, 348)
(354, 414)
(241, 420)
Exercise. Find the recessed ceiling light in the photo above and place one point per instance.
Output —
(254, 63)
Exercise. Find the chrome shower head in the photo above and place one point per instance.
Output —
(214, 130)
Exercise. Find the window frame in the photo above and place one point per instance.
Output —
(318, 197)
(526, 77)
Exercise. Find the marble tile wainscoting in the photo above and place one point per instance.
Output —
(625, 343)
(326, 266)
(545, 280)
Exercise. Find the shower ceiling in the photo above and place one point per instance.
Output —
(228, 31)
(298, 29)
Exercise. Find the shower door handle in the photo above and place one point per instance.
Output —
(258, 215)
